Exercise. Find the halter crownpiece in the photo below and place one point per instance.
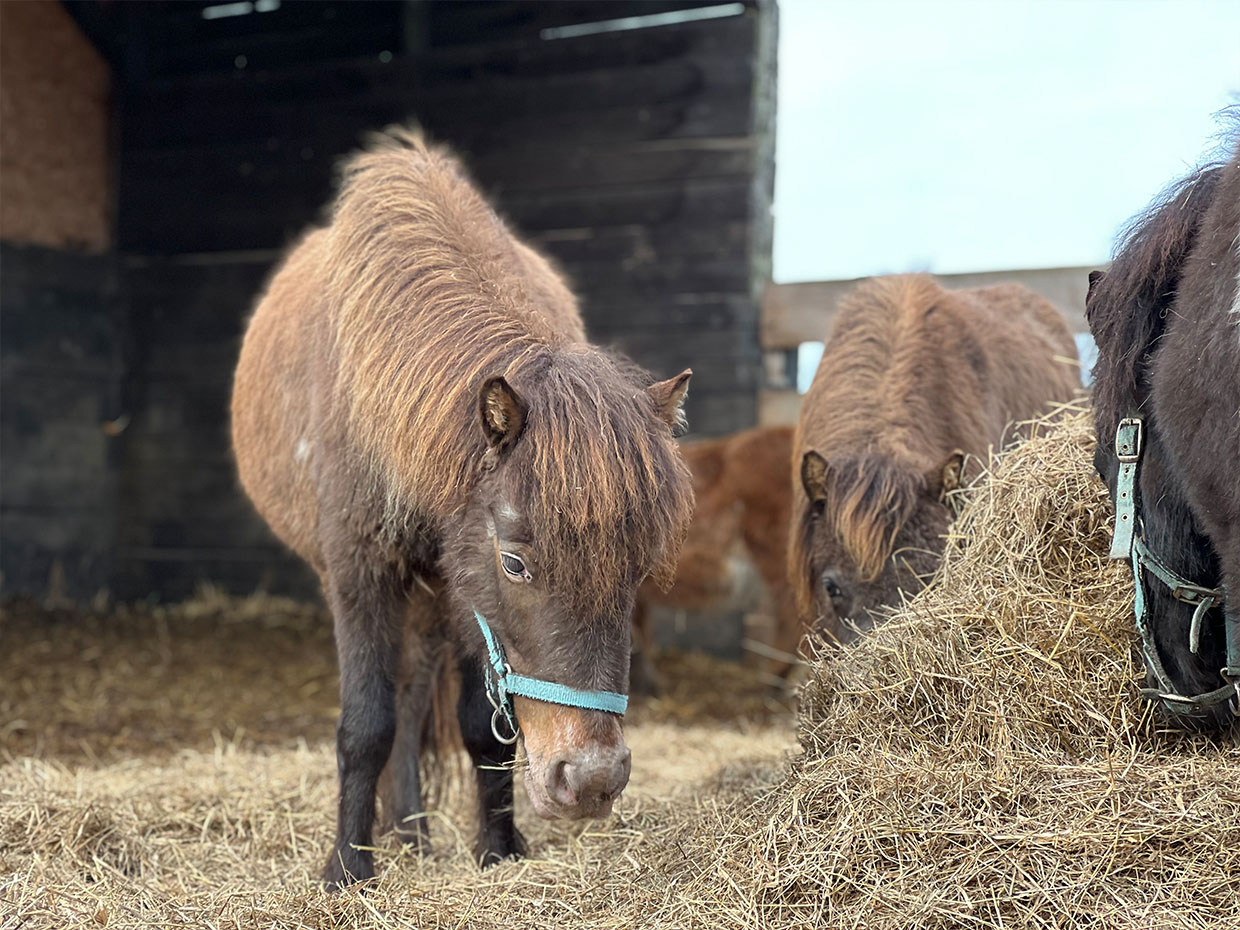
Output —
(1126, 543)
(502, 682)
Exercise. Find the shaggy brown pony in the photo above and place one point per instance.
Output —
(735, 555)
(1166, 318)
(913, 379)
(417, 415)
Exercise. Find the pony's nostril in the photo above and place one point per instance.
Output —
(560, 782)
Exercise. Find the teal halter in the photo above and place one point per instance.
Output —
(502, 682)
(1126, 543)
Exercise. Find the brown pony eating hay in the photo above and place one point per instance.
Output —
(417, 415)
(913, 379)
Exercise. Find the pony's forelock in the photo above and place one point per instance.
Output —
(869, 499)
(603, 488)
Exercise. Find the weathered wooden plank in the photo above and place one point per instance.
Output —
(683, 314)
(497, 20)
(42, 549)
(176, 39)
(636, 244)
(796, 313)
(305, 178)
(778, 407)
(264, 223)
(531, 84)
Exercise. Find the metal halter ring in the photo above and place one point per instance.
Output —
(495, 717)
(507, 741)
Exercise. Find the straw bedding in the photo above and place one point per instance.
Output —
(982, 761)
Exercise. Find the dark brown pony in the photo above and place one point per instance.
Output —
(1166, 318)
(417, 415)
(735, 555)
(914, 378)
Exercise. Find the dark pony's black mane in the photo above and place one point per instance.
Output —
(1127, 309)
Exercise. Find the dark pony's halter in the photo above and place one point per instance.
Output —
(1128, 544)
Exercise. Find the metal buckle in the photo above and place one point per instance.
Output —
(1193, 594)
(1128, 458)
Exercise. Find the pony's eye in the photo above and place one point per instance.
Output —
(514, 567)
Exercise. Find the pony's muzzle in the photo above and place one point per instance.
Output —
(588, 783)
(578, 762)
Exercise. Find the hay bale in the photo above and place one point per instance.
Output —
(983, 760)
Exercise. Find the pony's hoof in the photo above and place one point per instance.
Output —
(494, 848)
(342, 871)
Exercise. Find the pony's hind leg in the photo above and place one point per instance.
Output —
(498, 837)
(367, 613)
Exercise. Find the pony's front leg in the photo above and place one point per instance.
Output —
(423, 652)
(498, 837)
(367, 618)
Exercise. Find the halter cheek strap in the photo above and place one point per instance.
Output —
(1126, 543)
(502, 682)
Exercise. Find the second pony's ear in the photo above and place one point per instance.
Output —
(1095, 278)
(502, 413)
(950, 475)
(669, 398)
(814, 470)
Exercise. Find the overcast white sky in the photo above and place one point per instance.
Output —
(954, 135)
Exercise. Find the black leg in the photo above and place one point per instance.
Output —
(401, 785)
(498, 837)
(367, 623)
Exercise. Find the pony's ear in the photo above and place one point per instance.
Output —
(669, 398)
(502, 413)
(1095, 278)
(951, 473)
(814, 471)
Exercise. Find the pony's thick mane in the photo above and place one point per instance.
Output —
(429, 295)
(1127, 308)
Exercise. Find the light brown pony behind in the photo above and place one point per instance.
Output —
(735, 555)
(417, 414)
(913, 379)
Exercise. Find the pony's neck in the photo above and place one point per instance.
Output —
(1171, 530)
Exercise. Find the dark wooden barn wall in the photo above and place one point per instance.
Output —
(641, 160)
(61, 386)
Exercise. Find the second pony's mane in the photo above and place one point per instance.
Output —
(1128, 306)
(429, 295)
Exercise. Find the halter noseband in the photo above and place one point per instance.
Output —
(502, 682)
(1126, 543)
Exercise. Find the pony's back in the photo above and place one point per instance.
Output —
(912, 370)
(369, 319)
